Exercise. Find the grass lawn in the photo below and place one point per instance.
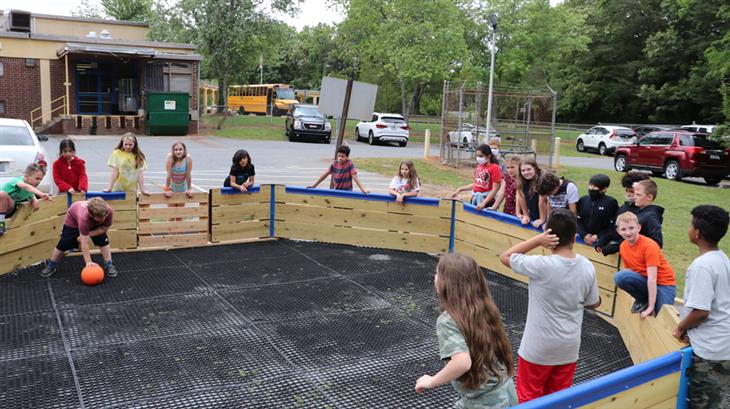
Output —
(677, 198)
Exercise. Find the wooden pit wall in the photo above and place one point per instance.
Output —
(659, 393)
(173, 221)
(485, 238)
(362, 222)
(123, 232)
(239, 216)
(31, 236)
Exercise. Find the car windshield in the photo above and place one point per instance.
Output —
(285, 93)
(15, 135)
(393, 120)
(626, 133)
(308, 111)
(699, 140)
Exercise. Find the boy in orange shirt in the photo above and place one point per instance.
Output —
(647, 275)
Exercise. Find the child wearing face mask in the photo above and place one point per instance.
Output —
(596, 210)
(487, 179)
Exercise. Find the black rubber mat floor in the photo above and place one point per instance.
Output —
(274, 324)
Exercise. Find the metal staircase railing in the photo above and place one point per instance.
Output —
(37, 114)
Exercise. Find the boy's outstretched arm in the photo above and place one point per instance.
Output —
(546, 239)
(651, 273)
(321, 178)
(359, 185)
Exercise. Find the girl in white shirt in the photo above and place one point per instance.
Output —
(406, 182)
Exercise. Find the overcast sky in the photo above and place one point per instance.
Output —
(313, 11)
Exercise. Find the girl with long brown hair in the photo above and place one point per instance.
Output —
(405, 183)
(530, 207)
(128, 164)
(471, 338)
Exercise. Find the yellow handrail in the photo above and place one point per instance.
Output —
(33, 118)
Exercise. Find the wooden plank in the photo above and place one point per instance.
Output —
(219, 199)
(362, 237)
(490, 260)
(174, 227)
(122, 239)
(498, 243)
(177, 198)
(124, 219)
(361, 218)
(25, 215)
(31, 233)
(239, 231)
(172, 212)
(524, 234)
(26, 256)
(128, 203)
(443, 210)
(246, 212)
(670, 403)
(163, 241)
(646, 395)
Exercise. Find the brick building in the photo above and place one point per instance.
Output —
(75, 75)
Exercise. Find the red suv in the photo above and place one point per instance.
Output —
(676, 154)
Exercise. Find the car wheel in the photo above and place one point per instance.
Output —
(290, 135)
(327, 140)
(465, 142)
(602, 149)
(402, 144)
(672, 170)
(579, 146)
(621, 163)
(357, 135)
(712, 181)
(371, 139)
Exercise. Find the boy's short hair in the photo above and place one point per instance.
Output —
(344, 149)
(711, 221)
(97, 207)
(650, 187)
(33, 168)
(628, 180)
(548, 182)
(562, 223)
(600, 181)
(627, 217)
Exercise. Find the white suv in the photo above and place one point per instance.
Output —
(383, 128)
(19, 147)
(699, 128)
(605, 139)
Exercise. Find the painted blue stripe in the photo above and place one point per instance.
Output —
(506, 218)
(610, 384)
(232, 191)
(107, 195)
(452, 235)
(684, 378)
(378, 197)
(272, 211)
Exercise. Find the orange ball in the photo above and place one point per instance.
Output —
(92, 274)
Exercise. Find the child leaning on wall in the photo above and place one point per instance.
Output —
(487, 179)
(705, 320)
(19, 190)
(128, 165)
(343, 172)
(69, 171)
(560, 287)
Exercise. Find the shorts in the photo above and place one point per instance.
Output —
(11, 212)
(478, 197)
(535, 380)
(70, 235)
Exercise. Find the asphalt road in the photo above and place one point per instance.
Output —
(293, 163)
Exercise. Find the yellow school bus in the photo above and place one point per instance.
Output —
(257, 99)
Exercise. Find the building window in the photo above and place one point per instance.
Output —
(2, 107)
(2, 70)
(30, 62)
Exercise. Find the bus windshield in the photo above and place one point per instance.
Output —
(285, 93)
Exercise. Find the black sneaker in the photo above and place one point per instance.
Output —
(111, 271)
(2, 227)
(638, 307)
(47, 271)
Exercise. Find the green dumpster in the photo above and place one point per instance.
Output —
(167, 113)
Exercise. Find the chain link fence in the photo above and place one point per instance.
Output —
(523, 121)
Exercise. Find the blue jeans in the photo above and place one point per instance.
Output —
(635, 284)
(478, 197)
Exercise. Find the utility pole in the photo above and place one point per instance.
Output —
(342, 124)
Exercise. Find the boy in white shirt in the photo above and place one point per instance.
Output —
(706, 316)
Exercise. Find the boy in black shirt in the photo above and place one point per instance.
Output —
(596, 211)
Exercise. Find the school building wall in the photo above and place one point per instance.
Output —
(19, 87)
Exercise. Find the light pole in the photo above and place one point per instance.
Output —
(492, 21)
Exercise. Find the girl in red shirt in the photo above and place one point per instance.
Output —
(69, 172)
(487, 179)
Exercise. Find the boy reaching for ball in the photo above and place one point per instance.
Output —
(88, 219)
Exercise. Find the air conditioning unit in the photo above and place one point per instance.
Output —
(19, 21)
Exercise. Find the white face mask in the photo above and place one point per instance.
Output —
(481, 160)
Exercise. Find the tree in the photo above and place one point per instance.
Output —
(129, 10)
(414, 42)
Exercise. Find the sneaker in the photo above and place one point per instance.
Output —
(638, 307)
(2, 227)
(48, 271)
(111, 271)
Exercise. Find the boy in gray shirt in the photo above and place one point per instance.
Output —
(560, 286)
(706, 316)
